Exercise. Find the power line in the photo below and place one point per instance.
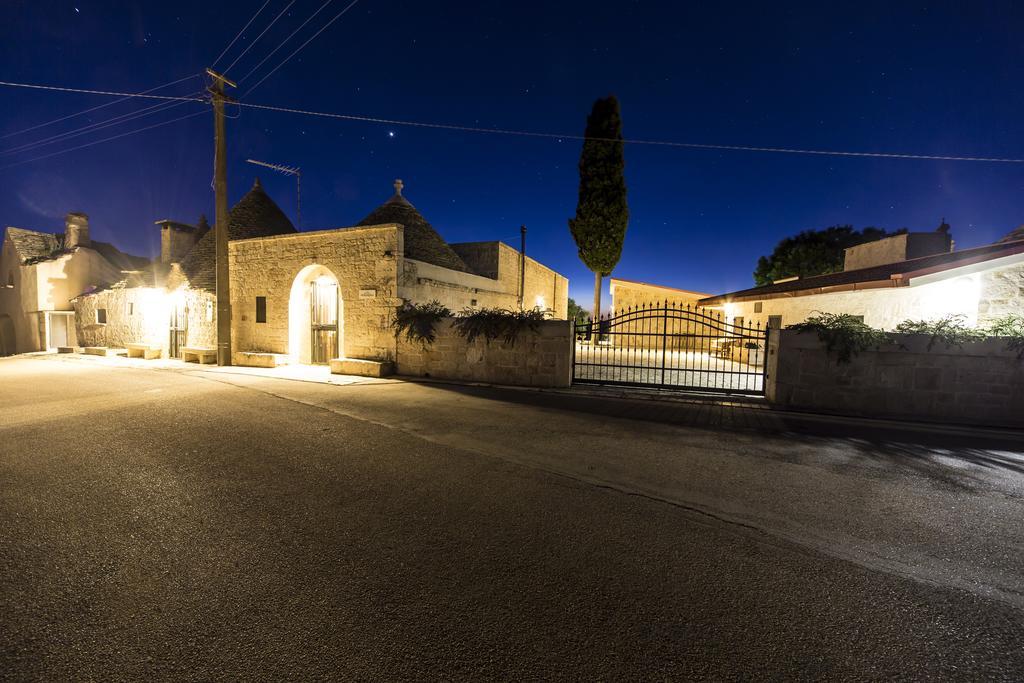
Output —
(91, 109)
(256, 40)
(664, 143)
(113, 137)
(124, 95)
(522, 133)
(283, 42)
(299, 49)
(92, 128)
(239, 34)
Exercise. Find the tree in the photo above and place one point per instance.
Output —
(813, 252)
(577, 312)
(602, 214)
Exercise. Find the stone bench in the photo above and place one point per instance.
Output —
(147, 351)
(360, 367)
(101, 351)
(198, 354)
(260, 359)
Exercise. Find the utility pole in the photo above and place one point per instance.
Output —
(220, 188)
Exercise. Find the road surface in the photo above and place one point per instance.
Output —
(196, 524)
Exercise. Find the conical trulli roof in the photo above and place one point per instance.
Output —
(255, 215)
(422, 242)
(1014, 236)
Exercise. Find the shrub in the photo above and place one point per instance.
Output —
(1010, 327)
(495, 323)
(950, 330)
(418, 321)
(844, 335)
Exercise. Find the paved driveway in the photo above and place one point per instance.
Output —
(690, 369)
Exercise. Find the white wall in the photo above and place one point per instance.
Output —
(881, 308)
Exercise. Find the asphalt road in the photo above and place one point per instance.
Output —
(199, 525)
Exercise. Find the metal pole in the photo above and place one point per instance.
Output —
(664, 337)
(220, 187)
(522, 266)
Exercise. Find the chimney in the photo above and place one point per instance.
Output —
(177, 239)
(76, 230)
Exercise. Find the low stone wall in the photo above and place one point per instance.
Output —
(981, 383)
(541, 359)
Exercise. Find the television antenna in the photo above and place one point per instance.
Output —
(287, 170)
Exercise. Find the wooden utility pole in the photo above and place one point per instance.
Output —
(220, 188)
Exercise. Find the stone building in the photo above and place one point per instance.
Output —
(909, 276)
(313, 296)
(308, 297)
(171, 304)
(41, 272)
(642, 312)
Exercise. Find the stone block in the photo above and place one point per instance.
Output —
(259, 359)
(361, 367)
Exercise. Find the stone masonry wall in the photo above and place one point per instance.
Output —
(542, 359)
(141, 315)
(1002, 293)
(644, 332)
(362, 259)
(981, 383)
(132, 318)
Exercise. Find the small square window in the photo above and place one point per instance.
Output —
(757, 306)
(775, 322)
(261, 309)
(472, 302)
(101, 316)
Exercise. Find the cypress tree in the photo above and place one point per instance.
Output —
(602, 214)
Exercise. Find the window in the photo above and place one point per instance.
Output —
(757, 306)
(101, 316)
(775, 322)
(131, 308)
(261, 309)
(738, 321)
(472, 302)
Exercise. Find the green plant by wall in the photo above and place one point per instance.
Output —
(1011, 328)
(496, 323)
(844, 335)
(951, 330)
(418, 322)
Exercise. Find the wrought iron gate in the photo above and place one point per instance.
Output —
(672, 346)
(323, 317)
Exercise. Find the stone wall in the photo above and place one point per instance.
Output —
(883, 308)
(640, 331)
(1002, 293)
(499, 262)
(141, 315)
(541, 359)
(130, 315)
(365, 262)
(982, 383)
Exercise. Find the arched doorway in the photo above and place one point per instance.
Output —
(8, 344)
(314, 316)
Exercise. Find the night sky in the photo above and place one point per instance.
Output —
(923, 78)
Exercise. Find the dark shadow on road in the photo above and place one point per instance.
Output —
(914, 446)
